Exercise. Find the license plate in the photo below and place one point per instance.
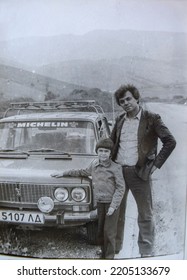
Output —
(21, 217)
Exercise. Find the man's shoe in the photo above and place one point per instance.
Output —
(117, 251)
(146, 255)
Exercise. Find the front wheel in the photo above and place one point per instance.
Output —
(92, 230)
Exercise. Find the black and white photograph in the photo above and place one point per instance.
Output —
(93, 129)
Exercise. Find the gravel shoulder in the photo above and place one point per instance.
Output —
(68, 243)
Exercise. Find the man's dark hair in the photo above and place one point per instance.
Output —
(119, 93)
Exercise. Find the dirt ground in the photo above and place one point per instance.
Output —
(49, 243)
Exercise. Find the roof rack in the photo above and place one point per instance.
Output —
(74, 105)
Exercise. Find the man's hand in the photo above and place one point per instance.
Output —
(57, 175)
(110, 211)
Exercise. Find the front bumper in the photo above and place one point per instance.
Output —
(63, 218)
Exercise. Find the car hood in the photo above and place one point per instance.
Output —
(39, 168)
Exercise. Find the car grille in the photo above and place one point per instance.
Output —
(26, 193)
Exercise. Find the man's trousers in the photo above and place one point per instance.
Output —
(141, 191)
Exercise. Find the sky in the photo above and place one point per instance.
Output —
(23, 18)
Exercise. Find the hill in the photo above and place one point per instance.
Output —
(156, 62)
(16, 82)
(152, 77)
(18, 85)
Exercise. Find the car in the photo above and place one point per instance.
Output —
(38, 139)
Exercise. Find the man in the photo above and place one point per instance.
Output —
(135, 135)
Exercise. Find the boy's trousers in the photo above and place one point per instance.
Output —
(107, 230)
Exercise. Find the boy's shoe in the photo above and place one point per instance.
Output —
(99, 252)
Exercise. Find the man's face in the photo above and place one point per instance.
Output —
(128, 102)
(103, 154)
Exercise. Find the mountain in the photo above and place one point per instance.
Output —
(156, 62)
(95, 45)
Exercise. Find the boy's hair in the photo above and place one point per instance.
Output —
(120, 92)
(105, 143)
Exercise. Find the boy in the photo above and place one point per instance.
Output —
(109, 188)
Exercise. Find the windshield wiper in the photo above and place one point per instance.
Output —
(47, 150)
(7, 150)
(13, 151)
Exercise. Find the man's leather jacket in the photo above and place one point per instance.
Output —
(151, 127)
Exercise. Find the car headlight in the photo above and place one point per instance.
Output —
(78, 194)
(61, 194)
(45, 204)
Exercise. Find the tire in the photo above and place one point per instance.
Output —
(92, 229)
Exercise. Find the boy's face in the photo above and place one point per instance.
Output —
(103, 154)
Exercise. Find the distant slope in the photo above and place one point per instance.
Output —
(18, 82)
(147, 74)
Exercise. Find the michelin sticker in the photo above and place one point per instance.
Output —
(46, 124)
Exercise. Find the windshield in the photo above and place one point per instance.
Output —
(67, 136)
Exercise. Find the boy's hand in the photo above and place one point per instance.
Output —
(57, 175)
(110, 211)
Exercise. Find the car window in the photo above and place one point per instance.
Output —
(103, 128)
